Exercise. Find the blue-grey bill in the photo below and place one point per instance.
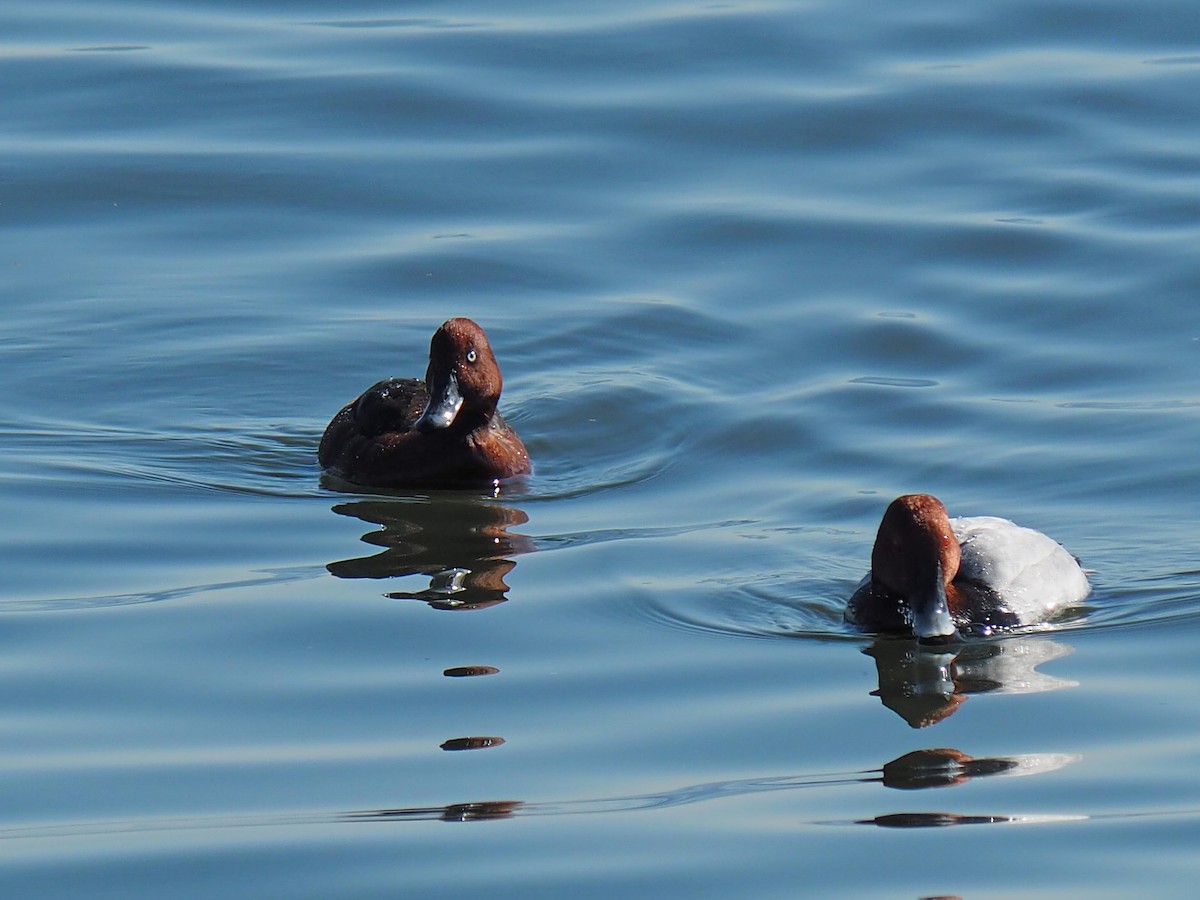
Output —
(442, 408)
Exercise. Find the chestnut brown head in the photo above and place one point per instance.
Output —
(463, 378)
(916, 556)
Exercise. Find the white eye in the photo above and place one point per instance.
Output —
(472, 355)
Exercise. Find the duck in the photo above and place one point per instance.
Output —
(443, 431)
(935, 577)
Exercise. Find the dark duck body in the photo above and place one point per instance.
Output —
(444, 431)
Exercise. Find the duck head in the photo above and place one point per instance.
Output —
(463, 379)
(916, 556)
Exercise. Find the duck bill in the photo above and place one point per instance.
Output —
(444, 403)
(931, 619)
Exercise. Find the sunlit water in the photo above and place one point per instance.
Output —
(751, 270)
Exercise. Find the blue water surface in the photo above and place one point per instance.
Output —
(751, 270)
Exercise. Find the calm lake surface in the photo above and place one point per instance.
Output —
(751, 270)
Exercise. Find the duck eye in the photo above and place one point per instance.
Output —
(472, 355)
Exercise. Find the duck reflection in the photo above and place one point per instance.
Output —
(946, 820)
(934, 820)
(945, 767)
(480, 811)
(478, 742)
(941, 767)
(462, 545)
(924, 685)
(918, 770)
(470, 671)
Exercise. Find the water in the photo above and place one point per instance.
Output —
(751, 270)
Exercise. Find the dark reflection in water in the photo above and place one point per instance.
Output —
(947, 819)
(924, 685)
(470, 671)
(918, 770)
(480, 742)
(935, 820)
(463, 545)
(455, 812)
(941, 768)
